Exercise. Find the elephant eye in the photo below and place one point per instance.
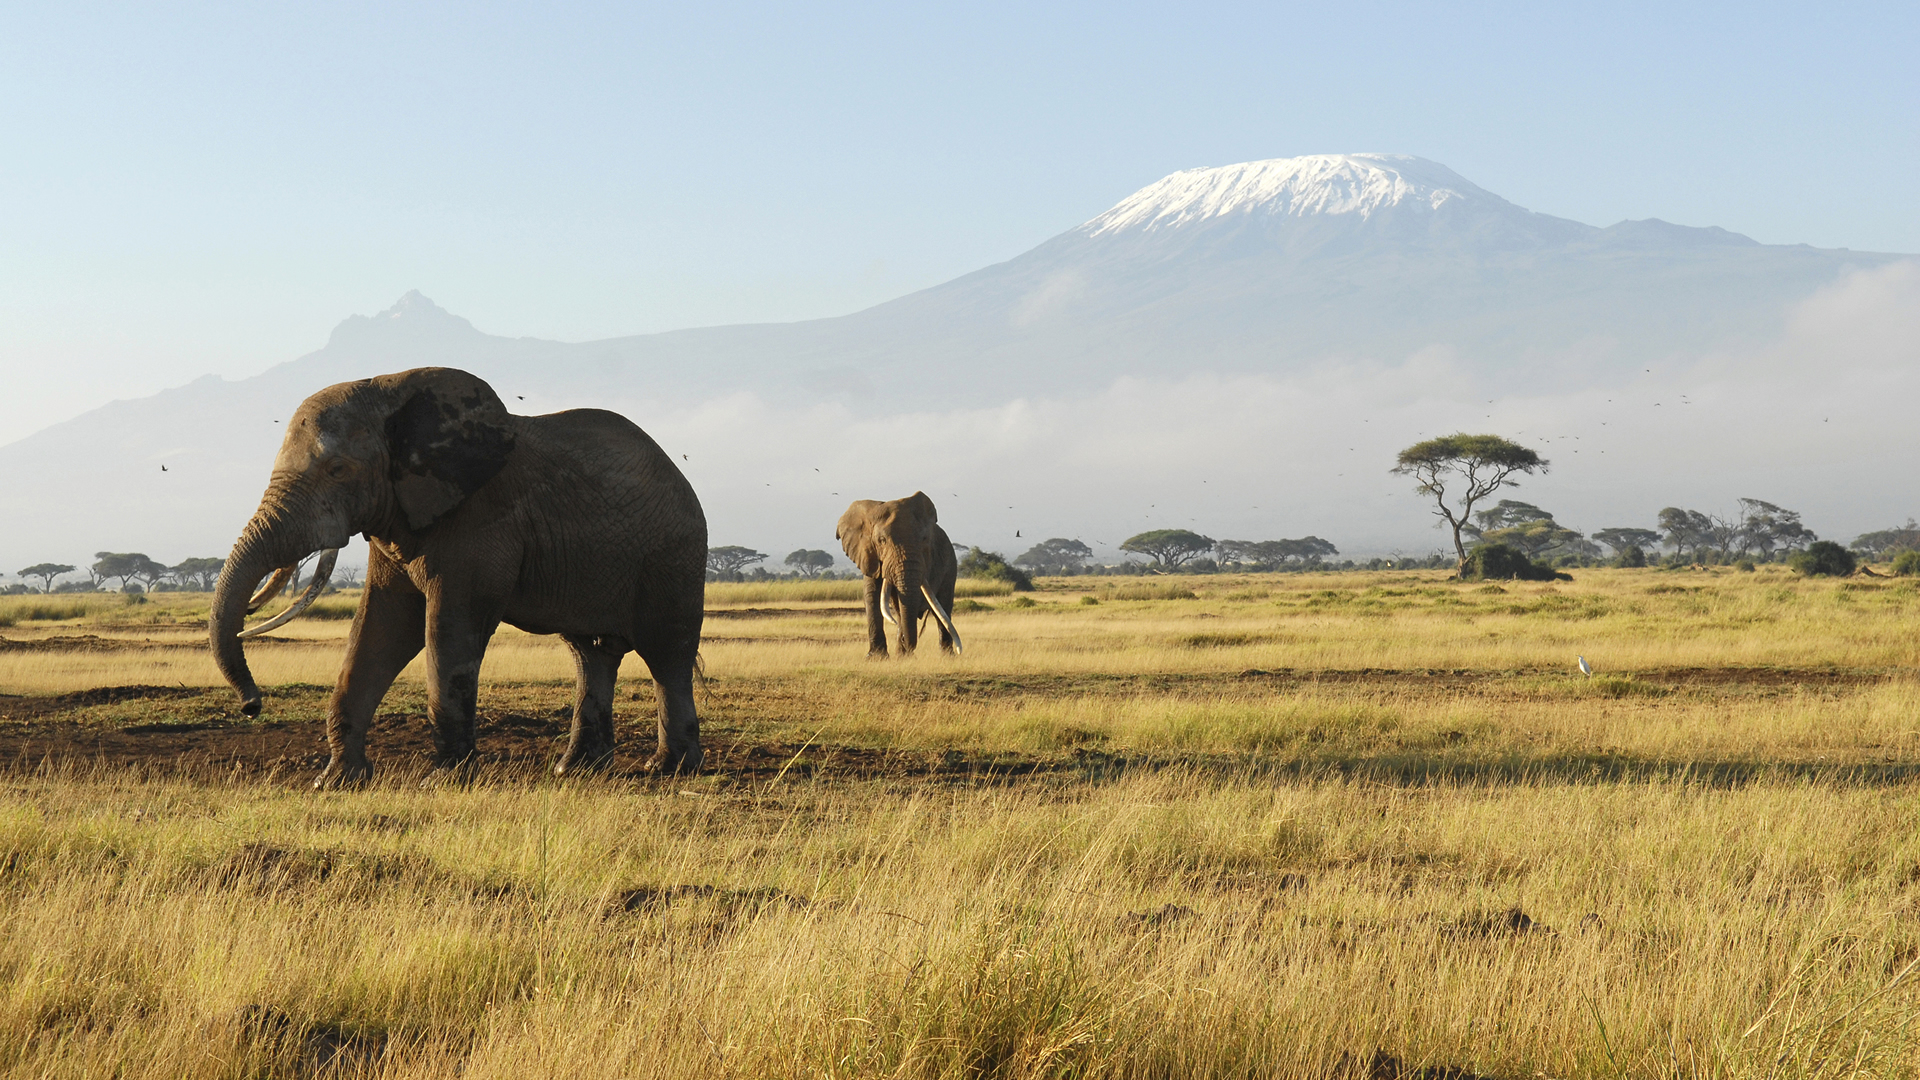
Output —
(338, 468)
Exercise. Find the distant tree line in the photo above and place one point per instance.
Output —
(135, 572)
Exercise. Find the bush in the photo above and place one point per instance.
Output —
(994, 567)
(1498, 562)
(1632, 557)
(1823, 558)
(1907, 564)
(1745, 566)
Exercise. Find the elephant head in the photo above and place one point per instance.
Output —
(387, 457)
(894, 543)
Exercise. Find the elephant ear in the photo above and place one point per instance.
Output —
(448, 438)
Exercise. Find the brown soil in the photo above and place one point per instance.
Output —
(522, 729)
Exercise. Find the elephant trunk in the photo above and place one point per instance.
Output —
(271, 541)
(905, 576)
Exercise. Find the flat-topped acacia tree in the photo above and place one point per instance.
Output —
(1475, 465)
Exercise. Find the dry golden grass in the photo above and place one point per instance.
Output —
(1338, 825)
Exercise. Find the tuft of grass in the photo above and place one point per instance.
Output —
(1146, 591)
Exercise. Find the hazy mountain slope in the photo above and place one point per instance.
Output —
(1274, 268)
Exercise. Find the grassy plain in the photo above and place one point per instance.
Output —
(1362, 825)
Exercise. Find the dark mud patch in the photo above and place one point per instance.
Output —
(290, 1046)
(660, 897)
(1512, 922)
(1381, 1065)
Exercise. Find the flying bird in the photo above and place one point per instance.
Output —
(522, 397)
(1585, 668)
(163, 468)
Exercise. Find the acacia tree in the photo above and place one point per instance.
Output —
(1527, 529)
(1874, 545)
(1764, 527)
(1056, 556)
(731, 559)
(1273, 554)
(810, 561)
(1476, 466)
(46, 572)
(203, 572)
(1623, 540)
(127, 566)
(1170, 548)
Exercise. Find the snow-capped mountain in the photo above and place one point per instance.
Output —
(1289, 187)
(1279, 269)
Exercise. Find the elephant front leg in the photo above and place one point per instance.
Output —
(456, 644)
(596, 669)
(876, 627)
(389, 630)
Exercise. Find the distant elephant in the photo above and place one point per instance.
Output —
(574, 523)
(909, 565)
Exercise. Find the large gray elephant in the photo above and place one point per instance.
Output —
(575, 523)
(909, 565)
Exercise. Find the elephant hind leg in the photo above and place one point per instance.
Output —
(596, 665)
(679, 721)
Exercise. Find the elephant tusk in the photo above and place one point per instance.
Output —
(886, 609)
(272, 588)
(322, 573)
(946, 619)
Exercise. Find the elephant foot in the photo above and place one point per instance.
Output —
(877, 654)
(574, 762)
(344, 773)
(683, 762)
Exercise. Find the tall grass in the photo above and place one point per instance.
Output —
(1162, 926)
(57, 608)
(1341, 825)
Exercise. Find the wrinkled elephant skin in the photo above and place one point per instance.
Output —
(575, 523)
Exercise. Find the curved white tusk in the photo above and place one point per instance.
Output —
(945, 618)
(886, 609)
(272, 588)
(322, 573)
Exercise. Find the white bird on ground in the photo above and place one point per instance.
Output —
(1585, 668)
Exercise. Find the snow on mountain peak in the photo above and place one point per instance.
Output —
(1300, 186)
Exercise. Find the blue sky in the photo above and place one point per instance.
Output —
(211, 188)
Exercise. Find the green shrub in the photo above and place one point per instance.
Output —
(1823, 558)
(1498, 562)
(1022, 602)
(994, 567)
(1907, 564)
(1089, 601)
(1632, 557)
(1745, 566)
